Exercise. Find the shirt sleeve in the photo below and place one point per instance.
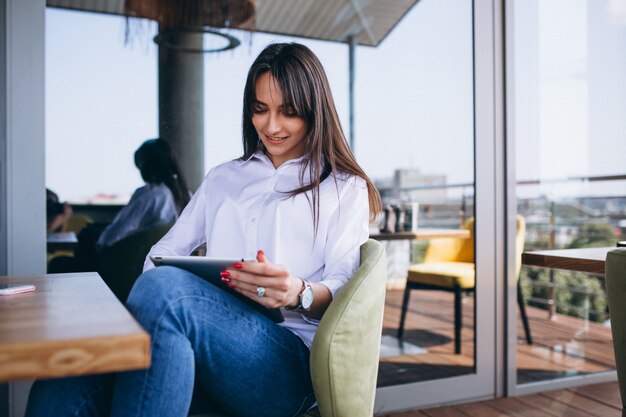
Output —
(189, 230)
(125, 223)
(348, 230)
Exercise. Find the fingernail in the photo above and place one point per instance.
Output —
(225, 279)
(231, 286)
(237, 265)
(225, 273)
(261, 253)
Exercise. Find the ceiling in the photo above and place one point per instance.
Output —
(370, 21)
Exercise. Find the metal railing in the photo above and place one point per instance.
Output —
(547, 226)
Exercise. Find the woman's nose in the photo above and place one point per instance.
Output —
(273, 124)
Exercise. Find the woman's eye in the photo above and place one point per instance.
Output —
(258, 110)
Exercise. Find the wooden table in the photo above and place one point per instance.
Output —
(71, 325)
(61, 241)
(589, 260)
(423, 233)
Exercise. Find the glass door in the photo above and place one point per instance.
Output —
(436, 161)
(567, 100)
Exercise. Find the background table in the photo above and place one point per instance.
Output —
(423, 233)
(589, 260)
(71, 325)
(61, 241)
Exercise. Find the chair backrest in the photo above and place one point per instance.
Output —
(520, 238)
(346, 348)
(77, 222)
(462, 250)
(452, 249)
(615, 274)
(120, 264)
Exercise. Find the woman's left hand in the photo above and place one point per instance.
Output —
(281, 288)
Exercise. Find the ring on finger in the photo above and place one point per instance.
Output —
(260, 292)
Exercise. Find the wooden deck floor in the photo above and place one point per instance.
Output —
(563, 347)
(600, 400)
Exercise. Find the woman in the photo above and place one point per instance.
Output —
(158, 202)
(297, 200)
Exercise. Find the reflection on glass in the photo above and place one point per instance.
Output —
(570, 179)
(414, 138)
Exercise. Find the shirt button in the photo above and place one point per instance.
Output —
(252, 220)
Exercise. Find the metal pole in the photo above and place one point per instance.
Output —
(351, 61)
(551, 288)
(181, 104)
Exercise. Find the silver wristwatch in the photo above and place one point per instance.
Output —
(305, 298)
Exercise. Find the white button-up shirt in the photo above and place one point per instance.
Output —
(242, 206)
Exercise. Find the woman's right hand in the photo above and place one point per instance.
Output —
(281, 288)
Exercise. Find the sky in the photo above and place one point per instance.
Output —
(413, 100)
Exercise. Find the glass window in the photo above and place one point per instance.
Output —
(570, 72)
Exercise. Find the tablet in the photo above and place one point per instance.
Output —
(209, 269)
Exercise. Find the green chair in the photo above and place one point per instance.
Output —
(615, 273)
(120, 264)
(345, 351)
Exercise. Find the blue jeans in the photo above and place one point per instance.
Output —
(206, 345)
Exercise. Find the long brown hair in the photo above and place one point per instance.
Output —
(305, 89)
(157, 163)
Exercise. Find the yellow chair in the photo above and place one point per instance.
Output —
(449, 266)
(77, 222)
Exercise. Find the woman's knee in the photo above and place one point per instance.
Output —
(149, 290)
(157, 289)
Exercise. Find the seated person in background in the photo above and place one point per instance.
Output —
(158, 202)
(57, 213)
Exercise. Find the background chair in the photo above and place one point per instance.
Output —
(120, 264)
(615, 274)
(346, 348)
(449, 266)
(77, 222)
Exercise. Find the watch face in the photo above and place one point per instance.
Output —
(307, 298)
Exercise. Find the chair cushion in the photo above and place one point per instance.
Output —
(443, 274)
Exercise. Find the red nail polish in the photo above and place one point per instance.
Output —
(225, 273)
(261, 253)
(225, 279)
(237, 265)
(231, 286)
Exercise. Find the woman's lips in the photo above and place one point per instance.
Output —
(275, 140)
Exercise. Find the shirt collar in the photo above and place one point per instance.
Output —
(259, 154)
